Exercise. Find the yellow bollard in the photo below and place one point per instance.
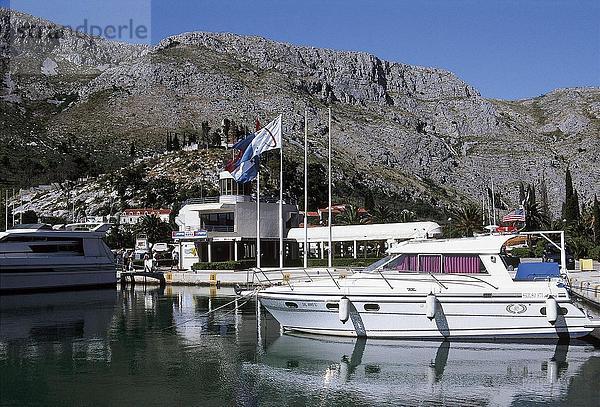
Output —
(169, 277)
(286, 277)
(212, 279)
(586, 264)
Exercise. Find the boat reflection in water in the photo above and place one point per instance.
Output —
(495, 373)
(80, 319)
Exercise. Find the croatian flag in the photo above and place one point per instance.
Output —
(518, 215)
(245, 168)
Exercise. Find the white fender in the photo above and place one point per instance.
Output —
(344, 309)
(551, 310)
(430, 305)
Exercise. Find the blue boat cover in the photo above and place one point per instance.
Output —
(537, 271)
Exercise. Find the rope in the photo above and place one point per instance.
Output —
(250, 294)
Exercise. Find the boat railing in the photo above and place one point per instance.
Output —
(292, 276)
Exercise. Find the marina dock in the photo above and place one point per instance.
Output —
(586, 285)
(227, 278)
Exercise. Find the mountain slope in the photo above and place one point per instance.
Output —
(398, 127)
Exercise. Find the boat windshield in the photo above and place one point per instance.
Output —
(379, 263)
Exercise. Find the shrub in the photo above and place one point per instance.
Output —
(224, 265)
(594, 253)
(522, 252)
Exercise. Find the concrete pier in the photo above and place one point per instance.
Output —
(586, 285)
(230, 278)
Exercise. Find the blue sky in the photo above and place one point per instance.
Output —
(507, 49)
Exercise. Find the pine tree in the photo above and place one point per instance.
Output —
(169, 142)
(369, 201)
(175, 143)
(521, 194)
(596, 220)
(132, 149)
(544, 204)
(570, 210)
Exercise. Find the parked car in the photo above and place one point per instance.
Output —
(552, 255)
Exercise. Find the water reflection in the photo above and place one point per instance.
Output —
(197, 346)
(421, 372)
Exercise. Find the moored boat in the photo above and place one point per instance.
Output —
(451, 288)
(37, 257)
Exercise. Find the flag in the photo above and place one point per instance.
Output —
(245, 168)
(241, 146)
(246, 171)
(268, 138)
(518, 215)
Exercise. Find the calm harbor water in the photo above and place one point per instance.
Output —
(159, 347)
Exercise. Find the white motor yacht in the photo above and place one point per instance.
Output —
(36, 257)
(453, 288)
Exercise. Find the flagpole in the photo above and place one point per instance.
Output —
(483, 209)
(258, 215)
(493, 203)
(21, 213)
(6, 209)
(305, 188)
(13, 207)
(330, 253)
(281, 204)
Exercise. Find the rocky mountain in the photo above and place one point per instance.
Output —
(74, 103)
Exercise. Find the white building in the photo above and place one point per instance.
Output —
(223, 228)
(362, 240)
(133, 216)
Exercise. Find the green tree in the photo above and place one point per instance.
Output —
(30, 217)
(521, 193)
(466, 220)
(132, 151)
(535, 218)
(382, 214)
(570, 210)
(154, 228)
(596, 220)
(350, 216)
(369, 200)
(175, 143)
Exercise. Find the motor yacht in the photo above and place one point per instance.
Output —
(438, 288)
(34, 257)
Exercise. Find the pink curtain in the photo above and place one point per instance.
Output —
(462, 264)
(430, 264)
(407, 262)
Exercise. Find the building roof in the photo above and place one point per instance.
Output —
(489, 244)
(382, 231)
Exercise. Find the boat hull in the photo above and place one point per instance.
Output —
(54, 277)
(406, 317)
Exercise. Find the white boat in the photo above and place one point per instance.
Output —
(454, 288)
(36, 257)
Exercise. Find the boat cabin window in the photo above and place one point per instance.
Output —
(437, 263)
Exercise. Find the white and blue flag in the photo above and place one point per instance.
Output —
(266, 139)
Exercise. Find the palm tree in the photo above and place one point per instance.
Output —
(466, 220)
(154, 228)
(350, 216)
(382, 214)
